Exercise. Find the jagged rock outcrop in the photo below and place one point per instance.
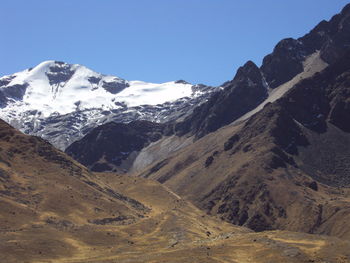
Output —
(286, 60)
(246, 91)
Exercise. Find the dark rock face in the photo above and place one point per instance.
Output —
(15, 92)
(116, 86)
(325, 97)
(94, 80)
(6, 80)
(340, 112)
(3, 100)
(331, 38)
(284, 63)
(107, 146)
(239, 96)
(181, 81)
(339, 40)
(200, 88)
(59, 74)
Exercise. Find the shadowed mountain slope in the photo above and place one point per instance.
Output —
(251, 84)
(287, 167)
(114, 146)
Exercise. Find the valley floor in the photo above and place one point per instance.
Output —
(173, 231)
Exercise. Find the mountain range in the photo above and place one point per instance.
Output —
(255, 170)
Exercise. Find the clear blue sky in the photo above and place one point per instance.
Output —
(201, 41)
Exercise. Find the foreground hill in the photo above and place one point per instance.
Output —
(53, 210)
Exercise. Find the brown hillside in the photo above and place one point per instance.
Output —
(53, 210)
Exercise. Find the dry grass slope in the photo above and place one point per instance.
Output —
(53, 210)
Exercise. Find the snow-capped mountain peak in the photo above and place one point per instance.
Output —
(57, 87)
(53, 89)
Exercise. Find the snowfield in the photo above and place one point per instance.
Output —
(85, 89)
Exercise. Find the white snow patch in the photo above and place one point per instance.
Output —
(62, 99)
